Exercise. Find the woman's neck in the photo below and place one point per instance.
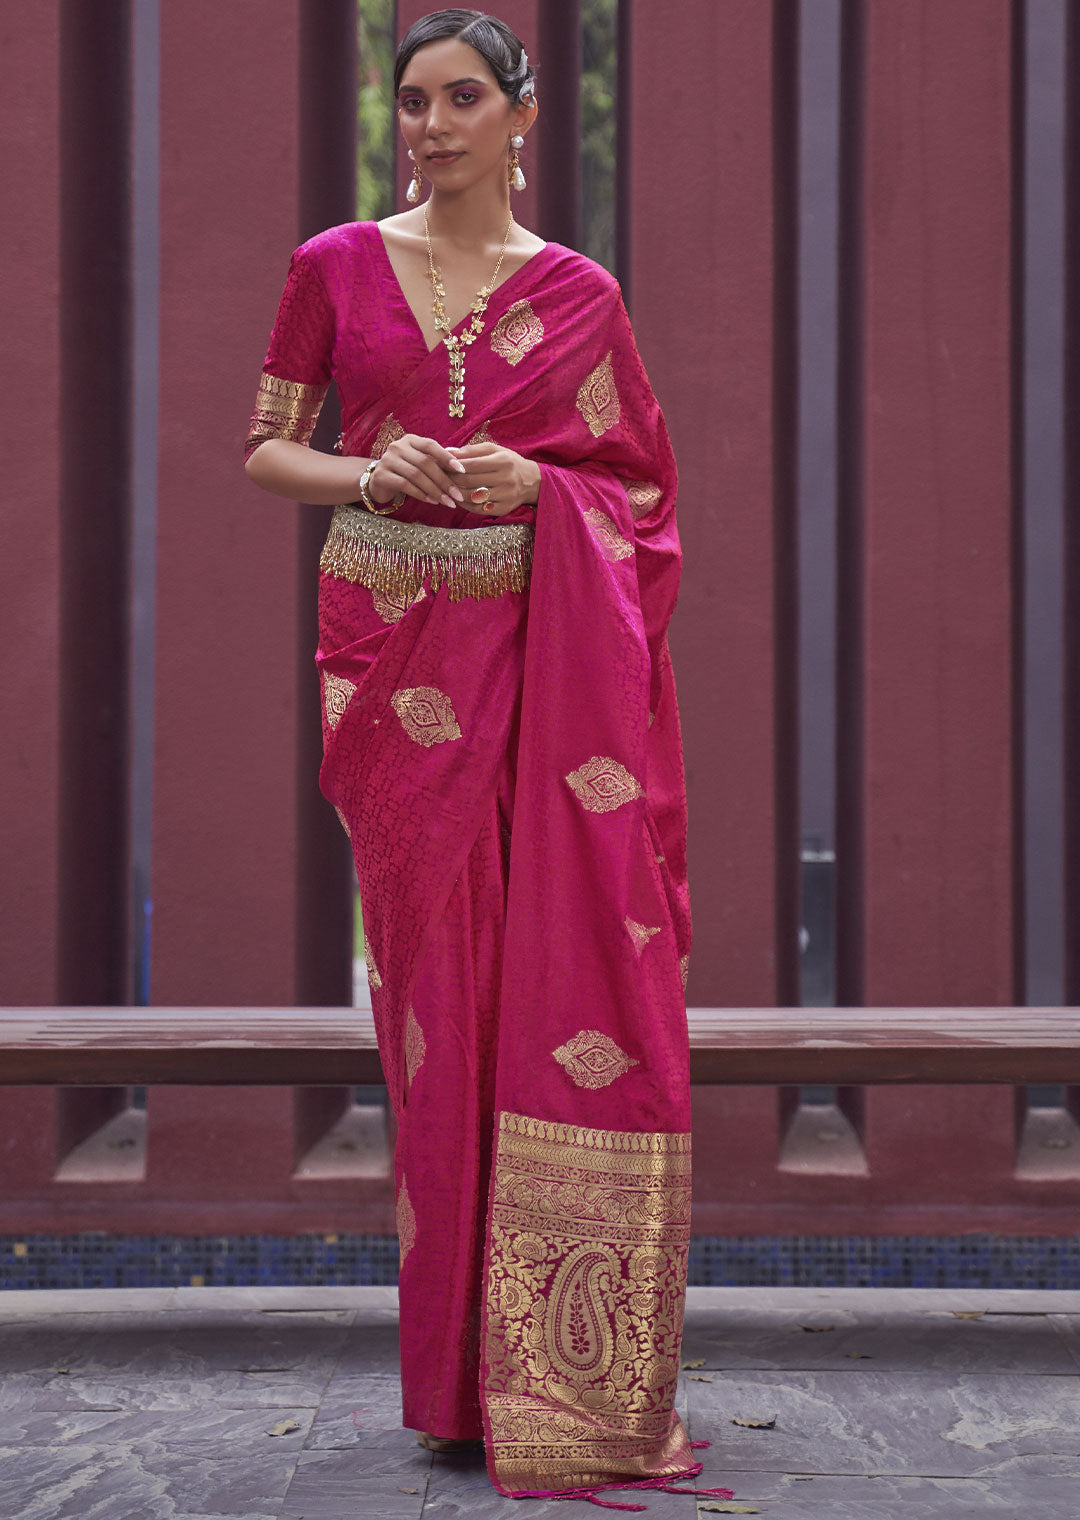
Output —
(473, 219)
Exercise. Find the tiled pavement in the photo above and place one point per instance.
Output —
(158, 1404)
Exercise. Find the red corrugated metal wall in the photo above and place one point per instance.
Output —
(249, 875)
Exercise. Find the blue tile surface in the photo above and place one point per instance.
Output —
(95, 1259)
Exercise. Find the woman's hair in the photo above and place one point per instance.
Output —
(493, 40)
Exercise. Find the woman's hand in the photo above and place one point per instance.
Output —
(511, 480)
(420, 467)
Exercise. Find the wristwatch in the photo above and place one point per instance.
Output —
(365, 497)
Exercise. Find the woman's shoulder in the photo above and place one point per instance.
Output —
(333, 243)
(591, 280)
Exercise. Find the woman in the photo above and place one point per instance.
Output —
(502, 745)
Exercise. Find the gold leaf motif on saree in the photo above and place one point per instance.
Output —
(344, 821)
(641, 934)
(390, 431)
(427, 714)
(643, 495)
(406, 1222)
(612, 544)
(593, 1059)
(374, 979)
(415, 1045)
(516, 333)
(393, 605)
(598, 399)
(602, 784)
(336, 694)
(482, 435)
(684, 968)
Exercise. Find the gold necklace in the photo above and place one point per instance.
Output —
(457, 343)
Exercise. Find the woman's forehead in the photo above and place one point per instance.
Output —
(447, 61)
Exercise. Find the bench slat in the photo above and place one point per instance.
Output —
(336, 1046)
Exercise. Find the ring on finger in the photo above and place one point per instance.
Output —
(479, 495)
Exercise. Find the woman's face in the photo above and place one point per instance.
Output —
(454, 116)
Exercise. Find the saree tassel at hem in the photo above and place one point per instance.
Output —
(657, 1485)
(396, 558)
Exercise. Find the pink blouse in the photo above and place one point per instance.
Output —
(343, 317)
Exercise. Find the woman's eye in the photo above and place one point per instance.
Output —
(411, 102)
(465, 97)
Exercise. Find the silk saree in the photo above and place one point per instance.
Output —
(502, 746)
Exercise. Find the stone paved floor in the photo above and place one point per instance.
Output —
(898, 1404)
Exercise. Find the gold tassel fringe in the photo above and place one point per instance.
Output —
(397, 557)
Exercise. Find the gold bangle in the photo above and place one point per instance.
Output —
(365, 480)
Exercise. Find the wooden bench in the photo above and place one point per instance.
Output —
(107, 1047)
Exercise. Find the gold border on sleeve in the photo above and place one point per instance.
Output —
(286, 409)
(396, 558)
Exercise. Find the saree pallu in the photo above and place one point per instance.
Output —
(502, 745)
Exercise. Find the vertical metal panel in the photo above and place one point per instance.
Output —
(145, 360)
(225, 793)
(1041, 63)
(928, 576)
(850, 677)
(558, 126)
(785, 429)
(819, 151)
(624, 149)
(1072, 508)
(324, 873)
(30, 564)
(95, 500)
(704, 296)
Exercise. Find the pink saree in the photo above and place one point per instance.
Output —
(502, 746)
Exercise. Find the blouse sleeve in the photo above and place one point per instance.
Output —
(297, 372)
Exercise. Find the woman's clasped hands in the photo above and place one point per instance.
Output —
(480, 477)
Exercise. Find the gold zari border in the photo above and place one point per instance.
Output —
(395, 558)
(286, 409)
(584, 1304)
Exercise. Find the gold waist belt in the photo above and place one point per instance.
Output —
(397, 557)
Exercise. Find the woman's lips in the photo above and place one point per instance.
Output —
(443, 158)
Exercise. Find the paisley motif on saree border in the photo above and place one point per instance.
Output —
(584, 1304)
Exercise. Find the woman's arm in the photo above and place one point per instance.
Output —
(303, 474)
(418, 466)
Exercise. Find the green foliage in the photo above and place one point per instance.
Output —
(598, 78)
(375, 115)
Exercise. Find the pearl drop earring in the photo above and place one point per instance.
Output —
(517, 179)
(412, 194)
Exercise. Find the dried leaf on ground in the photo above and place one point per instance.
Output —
(738, 1419)
(283, 1427)
(866, 1355)
(968, 1313)
(688, 1366)
(812, 1328)
(698, 1377)
(408, 1490)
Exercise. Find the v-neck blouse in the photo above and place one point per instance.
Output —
(343, 317)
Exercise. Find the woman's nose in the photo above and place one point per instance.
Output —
(437, 124)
